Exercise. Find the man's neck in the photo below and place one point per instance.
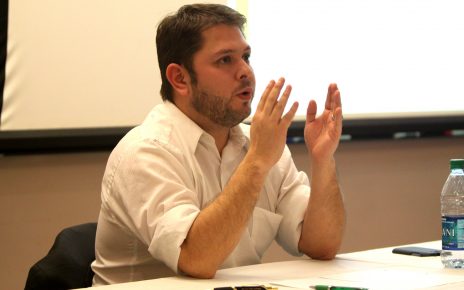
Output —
(219, 133)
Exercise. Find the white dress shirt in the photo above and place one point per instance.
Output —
(159, 177)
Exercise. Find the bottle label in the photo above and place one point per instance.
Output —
(452, 232)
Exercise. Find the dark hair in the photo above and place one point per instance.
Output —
(179, 36)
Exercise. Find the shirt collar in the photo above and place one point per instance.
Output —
(192, 133)
(189, 130)
(240, 135)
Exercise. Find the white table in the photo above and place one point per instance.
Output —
(367, 263)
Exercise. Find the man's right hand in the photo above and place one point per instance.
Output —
(269, 126)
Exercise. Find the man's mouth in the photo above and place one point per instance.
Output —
(245, 94)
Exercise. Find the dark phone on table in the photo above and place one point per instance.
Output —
(417, 251)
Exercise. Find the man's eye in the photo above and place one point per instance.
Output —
(246, 57)
(225, 59)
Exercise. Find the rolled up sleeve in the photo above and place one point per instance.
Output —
(155, 199)
(292, 203)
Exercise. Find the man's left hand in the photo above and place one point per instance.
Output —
(322, 134)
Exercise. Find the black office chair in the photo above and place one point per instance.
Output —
(67, 264)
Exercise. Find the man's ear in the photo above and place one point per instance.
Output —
(179, 79)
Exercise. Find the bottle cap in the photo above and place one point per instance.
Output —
(457, 163)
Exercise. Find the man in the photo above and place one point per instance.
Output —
(191, 190)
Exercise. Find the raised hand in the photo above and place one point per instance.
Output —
(322, 134)
(269, 125)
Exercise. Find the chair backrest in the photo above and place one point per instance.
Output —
(67, 264)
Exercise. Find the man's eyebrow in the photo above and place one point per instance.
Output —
(227, 51)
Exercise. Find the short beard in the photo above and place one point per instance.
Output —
(217, 110)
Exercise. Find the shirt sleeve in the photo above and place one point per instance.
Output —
(151, 194)
(292, 203)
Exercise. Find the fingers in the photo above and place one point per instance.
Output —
(281, 103)
(271, 99)
(266, 92)
(338, 115)
(288, 117)
(311, 111)
(333, 99)
(270, 103)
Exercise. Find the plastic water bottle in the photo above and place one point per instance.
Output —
(452, 216)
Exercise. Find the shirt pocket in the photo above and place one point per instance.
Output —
(264, 229)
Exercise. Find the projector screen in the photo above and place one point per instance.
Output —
(81, 64)
(85, 71)
(390, 58)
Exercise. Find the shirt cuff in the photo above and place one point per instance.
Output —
(170, 233)
(290, 229)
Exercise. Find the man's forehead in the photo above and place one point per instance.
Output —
(224, 38)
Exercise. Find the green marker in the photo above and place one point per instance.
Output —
(326, 287)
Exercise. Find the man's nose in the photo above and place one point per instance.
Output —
(245, 71)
